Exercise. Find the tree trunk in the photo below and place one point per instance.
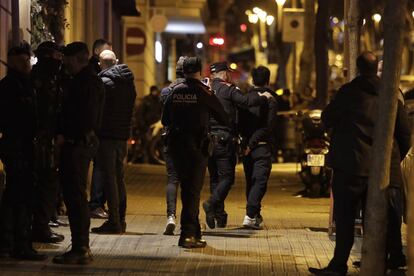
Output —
(373, 248)
(353, 19)
(321, 52)
(307, 57)
(284, 50)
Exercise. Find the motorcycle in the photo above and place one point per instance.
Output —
(148, 149)
(315, 146)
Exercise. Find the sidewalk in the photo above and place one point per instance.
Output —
(294, 235)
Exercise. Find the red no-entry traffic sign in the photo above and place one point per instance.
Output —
(135, 41)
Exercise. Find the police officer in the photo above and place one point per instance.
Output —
(82, 110)
(186, 114)
(17, 125)
(256, 128)
(221, 164)
(172, 177)
(47, 85)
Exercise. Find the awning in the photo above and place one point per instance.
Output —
(126, 7)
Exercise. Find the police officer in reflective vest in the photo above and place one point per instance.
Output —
(221, 164)
(187, 113)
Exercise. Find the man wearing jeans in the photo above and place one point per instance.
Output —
(116, 125)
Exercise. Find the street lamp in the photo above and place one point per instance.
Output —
(270, 19)
(376, 17)
(280, 4)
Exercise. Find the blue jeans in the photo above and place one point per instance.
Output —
(97, 195)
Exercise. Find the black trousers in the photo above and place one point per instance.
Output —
(17, 200)
(47, 187)
(190, 163)
(221, 167)
(394, 248)
(257, 167)
(348, 192)
(74, 174)
(109, 162)
(172, 184)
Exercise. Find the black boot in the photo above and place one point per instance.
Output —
(80, 256)
(191, 242)
(209, 210)
(108, 228)
(28, 254)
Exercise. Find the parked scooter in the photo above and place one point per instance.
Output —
(149, 151)
(314, 149)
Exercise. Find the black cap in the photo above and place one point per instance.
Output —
(47, 48)
(192, 65)
(219, 66)
(75, 48)
(18, 50)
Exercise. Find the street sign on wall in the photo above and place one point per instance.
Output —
(293, 25)
(135, 41)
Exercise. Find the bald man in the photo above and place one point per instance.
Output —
(116, 126)
(352, 116)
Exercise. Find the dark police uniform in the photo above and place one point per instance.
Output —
(186, 113)
(82, 110)
(17, 125)
(47, 84)
(256, 128)
(221, 164)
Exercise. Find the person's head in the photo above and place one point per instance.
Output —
(220, 70)
(100, 45)
(261, 76)
(18, 59)
(367, 64)
(155, 91)
(49, 49)
(192, 67)
(76, 57)
(179, 68)
(107, 59)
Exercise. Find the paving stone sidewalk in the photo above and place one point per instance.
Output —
(294, 236)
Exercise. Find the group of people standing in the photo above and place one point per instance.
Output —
(54, 119)
(203, 119)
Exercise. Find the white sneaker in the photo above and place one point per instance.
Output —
(251, 223)
(259, 220)
(170, 227)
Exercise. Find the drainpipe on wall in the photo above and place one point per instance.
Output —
(15, 23)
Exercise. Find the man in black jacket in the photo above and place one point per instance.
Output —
(186, 113)
(352, 116)
(17, 125)
(48, 88)
(172, 178)
(221, 164)
(81, 118)
(256, 126)
(116, 127)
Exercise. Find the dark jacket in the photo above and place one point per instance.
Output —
(120, 97)
(17, 107)
(17, 115)
(232, 98)
(352, 115)
(257, 124)
(49, 95)
(189, 107)
(166, 91)
(83, 100)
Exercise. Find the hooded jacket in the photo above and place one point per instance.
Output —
(120, 97)
(257, 123)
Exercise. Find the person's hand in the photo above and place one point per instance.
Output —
(247, 151)
(266, 94)
(60, 140)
